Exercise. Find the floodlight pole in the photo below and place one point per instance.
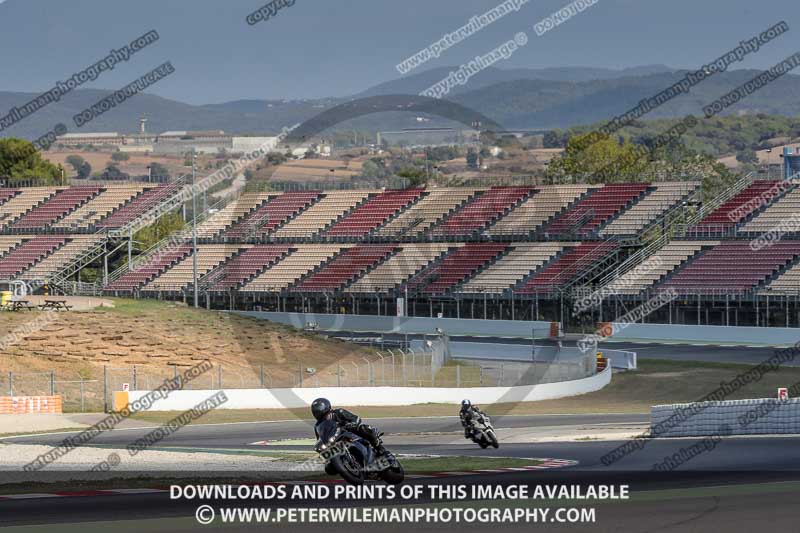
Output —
(194, 230)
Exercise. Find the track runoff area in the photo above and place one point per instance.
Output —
(581, 470)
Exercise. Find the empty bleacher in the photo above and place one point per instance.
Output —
(786, 283)
(374, 212)
(345, 267)
(140, 205)
(75, 246)
(538, 209)
(152, 267)
(231, 214)
(572, 262)
(7, 194)
(432, 208)
(18, 205)
(55, 207)
(730, 213)
(112, 198)
(398, 268)
(245, 266)
(332, 206)
(665, 260)
(455, 267)
(650, 208)
(303, 259)
(482, 210)
(9, 242)
(272, 214)
(27, 254)
(731, 267)
(519, 262)
(780, 211)
(590, 213)
(181, 275)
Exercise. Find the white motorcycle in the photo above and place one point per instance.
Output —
(483, 432)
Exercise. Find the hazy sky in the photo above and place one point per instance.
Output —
(319, 48)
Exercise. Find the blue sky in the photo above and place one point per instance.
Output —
(318, 48)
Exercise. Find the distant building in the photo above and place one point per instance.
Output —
(95, 139)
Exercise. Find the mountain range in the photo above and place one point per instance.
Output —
(516, 98)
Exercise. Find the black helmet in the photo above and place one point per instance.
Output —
(466, 404)
(320, 407)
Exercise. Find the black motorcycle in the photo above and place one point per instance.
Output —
(483, 432)
(353, 458)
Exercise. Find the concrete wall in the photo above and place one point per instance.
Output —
(377, 396)
(719, 334)
(736, 417)
(419, 325)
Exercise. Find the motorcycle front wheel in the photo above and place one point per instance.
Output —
(348, 468)
(492, 439)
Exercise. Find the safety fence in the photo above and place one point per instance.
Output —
(391, 368)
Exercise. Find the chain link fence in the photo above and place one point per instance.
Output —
(390, 368)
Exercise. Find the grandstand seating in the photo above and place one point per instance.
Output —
(482, 210)
(303, 259)
(53, 263)
(374, 212)
(590, 213)
(27, 254)
(245, 266)
(658, 265)
(7, 194)
(139, 206)
(27, 199)
(272, 214)
(345, 267)
(231, 214)
(432, 208)
(9, 242)
(111, 199)
(332, 206)
(513, 267)
(734, 210)
(55, 207)
(780, 211)
(731, 267)
(181, 275)
(398, 268)
(566, 267)
(786, 283)
(650, 208)
(538, 209)
(152, 267)
(455, 267)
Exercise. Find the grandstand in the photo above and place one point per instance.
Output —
(523, 246)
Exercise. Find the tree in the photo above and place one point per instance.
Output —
(85, 170)
(159, 172)
(603, 161)
(120, 156)
(75, 161)
(472, 159)
(747, 156)
(21, 161)
(166, 225)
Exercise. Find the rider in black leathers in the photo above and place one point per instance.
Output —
(468, 414)
(322, 410)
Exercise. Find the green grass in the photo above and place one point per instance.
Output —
(656, 382)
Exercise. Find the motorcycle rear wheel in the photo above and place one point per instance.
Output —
(393, 475)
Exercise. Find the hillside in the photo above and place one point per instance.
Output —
(519, 98)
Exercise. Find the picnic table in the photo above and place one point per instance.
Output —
(55, 305)
(19, 305)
